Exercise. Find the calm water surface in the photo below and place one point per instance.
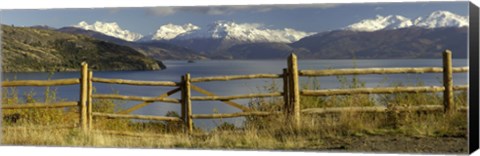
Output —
(175, 69)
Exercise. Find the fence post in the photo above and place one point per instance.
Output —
(187, 103)
(286, 92)
(83, 96)
(448, 82)
(294, 115)
(89, 100)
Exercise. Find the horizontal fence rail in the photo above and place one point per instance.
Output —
(142, 117)
(41, 105)
(365, 71)
(236, 77)
(58, 82)
(384, 90)
(232, 115)
(135, 82)
(135, 98)
(246, 96)
(374, 109)
(291, 94)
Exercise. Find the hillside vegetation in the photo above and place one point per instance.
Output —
(30, 49)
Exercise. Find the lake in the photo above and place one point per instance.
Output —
(175, 69)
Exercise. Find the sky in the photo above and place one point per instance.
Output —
(304, 17)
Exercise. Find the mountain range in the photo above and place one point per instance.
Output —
(436, 19)
(111, 47)
(395, 36)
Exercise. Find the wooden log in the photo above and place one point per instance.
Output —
(371, 109)
(143, 104)
(364, 71)
(448, 82)
(135, 98)
(58, 82)
(460, 87)
(232, 115)
(246, 96)
(460, 69)
(383, 90)
(90, 100)
(236, 77)
(228, 102)
(286, 92)
(130, 116)
(41, 105)
(83, 96)
(294, 91)
(188, 104)
(135, 82)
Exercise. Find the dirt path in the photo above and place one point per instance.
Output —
(398, 144)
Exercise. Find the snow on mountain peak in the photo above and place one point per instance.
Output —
(170, 31)
(435, 20)
(246, 32)
(442, 19)
(381, 22)
(110, 29)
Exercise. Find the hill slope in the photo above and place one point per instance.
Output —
(31, 49)
(387, 44)
(155, 49)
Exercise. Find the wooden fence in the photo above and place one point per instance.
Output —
(291, 93)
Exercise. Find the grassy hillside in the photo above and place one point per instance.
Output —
(29, 49)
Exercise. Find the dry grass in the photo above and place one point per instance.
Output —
(318, 132)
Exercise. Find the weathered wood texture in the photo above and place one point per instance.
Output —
(143, 104)
(135, 98)
(460, 87)
(236, 77)
(383, 90)
(58, 82)
(83, 96)
(364, 71)
(89, 100)
(228, 102)
(374, 109)
(142, 117)
(187, 104)
(448, 82)
(294, 116)
(135, 82)
(41, 105)
(246, 96)
(232, 115)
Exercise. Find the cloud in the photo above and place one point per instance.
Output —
(225, 10)
(161, 11)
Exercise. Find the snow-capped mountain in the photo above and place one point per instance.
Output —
(381, 22)
(244, 32)
(436, 19)
(170, 31)
(442, 19)
(110, 29)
